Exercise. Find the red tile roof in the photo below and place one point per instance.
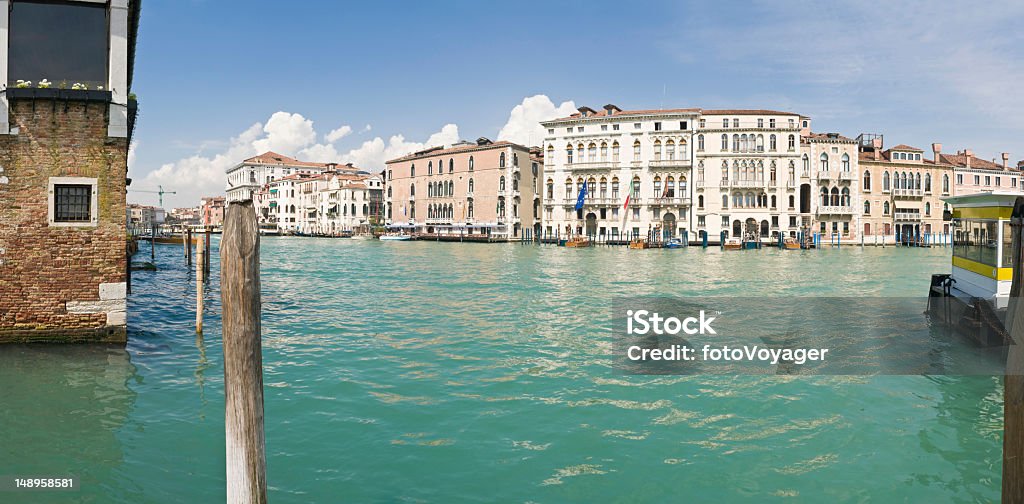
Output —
(905, 147)
(976, 162)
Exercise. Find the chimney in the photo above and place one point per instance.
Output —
(936, 152)
(1006, 160)
(876, 145)
(968, 154)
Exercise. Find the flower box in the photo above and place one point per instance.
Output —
(59, 94)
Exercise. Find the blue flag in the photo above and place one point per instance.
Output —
(582, 196)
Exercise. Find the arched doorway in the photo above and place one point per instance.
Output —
(764, 229)
(737, 228)
(750, 227)
(591, 224)
(668, 225)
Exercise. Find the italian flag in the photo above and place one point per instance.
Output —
(626, 204)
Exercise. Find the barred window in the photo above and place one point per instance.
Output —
(72, 203)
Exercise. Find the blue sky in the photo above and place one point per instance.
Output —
(363, 81)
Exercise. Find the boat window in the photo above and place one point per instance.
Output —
(977, 240)
(1007, 245)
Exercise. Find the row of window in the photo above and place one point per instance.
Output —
(451, 165)
(683, 125)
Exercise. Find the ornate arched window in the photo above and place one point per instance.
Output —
(592, 154)
(670, 150)
(824, 161)
(615, 152)
(885, 181)
(470, 186)
(636, 150)
(700, 142)
(568, 154)
(430, 167)
(885, 208)
(604, 151)
(867, 181)
(501, 183)
(636, 186)
(867, 207)
(772, 143)
(615, 187)
(927, 182)
(501, 160)
(551, 189)
(846, 162)
(451, 165)
(725, 142)
(792, 143)
(657, 150)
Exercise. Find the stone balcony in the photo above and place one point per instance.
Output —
(838, 175)
(669, 163)
(670, 201)
(593, 166)
(907, 193)
(835, 209)
(745, 183)
(900, 216)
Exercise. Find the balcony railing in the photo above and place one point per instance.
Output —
(835, 175)
(738, 183)
(835, 209)
(669, 163)
(907, 216)
(593, 165)
(791, 184)
(907, 193)
(671, 201)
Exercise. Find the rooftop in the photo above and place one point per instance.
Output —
(481, 144)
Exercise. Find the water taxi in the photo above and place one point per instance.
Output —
(578, 242)
(639, 244)
(790, 244)
(395, 237)
(733, 244)
(974, 297)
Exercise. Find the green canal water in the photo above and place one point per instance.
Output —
(437, 372)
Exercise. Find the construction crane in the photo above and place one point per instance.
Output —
(161, 192)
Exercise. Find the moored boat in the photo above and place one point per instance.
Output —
(395, 237)
(790, 244)
(733, 244)
(639, 244)
(673, 243)
(578, 242)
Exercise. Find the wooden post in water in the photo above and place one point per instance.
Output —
(243, 357)
(200, 278)
(152, 243)
(206, 256)
(1013, 381)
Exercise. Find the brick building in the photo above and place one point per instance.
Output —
(66, 119)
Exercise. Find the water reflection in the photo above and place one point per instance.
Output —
(61, 409)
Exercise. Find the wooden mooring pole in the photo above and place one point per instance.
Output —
(200, 279)
(243, 355)
(1013, 381)
(206, 256)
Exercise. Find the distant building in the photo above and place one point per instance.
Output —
(211, 211)
(468, 188)
(245, 179)
(188, 216)
(63, 169)
(144, 217)
(973, 174)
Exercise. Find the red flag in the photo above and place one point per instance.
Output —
(626, 205)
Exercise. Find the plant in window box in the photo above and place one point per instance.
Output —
(23, 84)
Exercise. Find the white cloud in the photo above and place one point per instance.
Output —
(372, 154)
(523, 125)
(287, 133)
(338, 134)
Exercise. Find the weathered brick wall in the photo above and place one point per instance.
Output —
(43, 268)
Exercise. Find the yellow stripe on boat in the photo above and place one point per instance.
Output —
(985, 212)
(986, 270)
